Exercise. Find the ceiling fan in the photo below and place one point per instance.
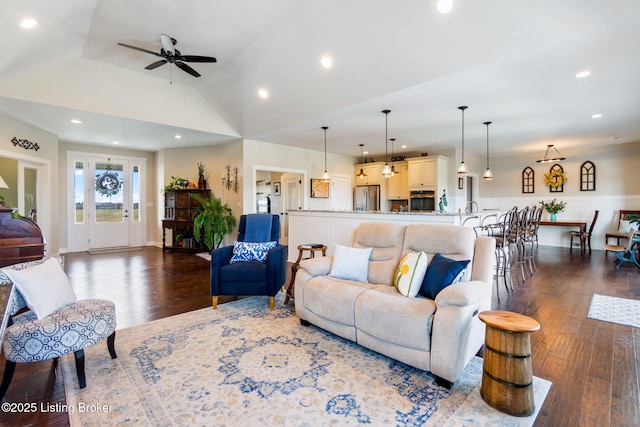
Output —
(172, 55)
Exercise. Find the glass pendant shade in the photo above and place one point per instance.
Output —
(361, 175)
(488, 174)
(462, 169)
(386, 171)
(393, 167)
(325, 176)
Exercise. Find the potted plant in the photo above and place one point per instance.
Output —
(213, 220)
(202, 181)
(553, 207)
(176, 183)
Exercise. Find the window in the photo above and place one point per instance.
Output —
(78, 190)
(588, 176)
(528, 185)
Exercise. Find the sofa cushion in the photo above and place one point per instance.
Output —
(410, 274)
(251, 252)
(441, 273)
(244, 272)
(385, 314)
(45, 287)
(452, 241)
(385, 239)
(350, 263)
(332, 298)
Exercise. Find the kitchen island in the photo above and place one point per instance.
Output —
(335, 227)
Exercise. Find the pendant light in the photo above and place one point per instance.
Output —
(361, 175)
(386, 170)
(462, 169)
(325, 175)
(548, 159)
(393, 167)
(488, 174)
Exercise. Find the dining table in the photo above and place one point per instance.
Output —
(567, 223)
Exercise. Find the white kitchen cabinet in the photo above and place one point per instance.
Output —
(373, 172)
(398, 185)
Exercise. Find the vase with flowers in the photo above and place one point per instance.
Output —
(553, 207)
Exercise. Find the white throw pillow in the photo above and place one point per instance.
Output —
(45, 287)
(350, 263)
(626, 226)
(410, 274)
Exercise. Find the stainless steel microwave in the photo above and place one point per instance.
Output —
(422, 201)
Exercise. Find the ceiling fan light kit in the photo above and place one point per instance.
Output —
(171, 55)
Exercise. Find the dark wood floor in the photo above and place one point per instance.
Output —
(594, 365)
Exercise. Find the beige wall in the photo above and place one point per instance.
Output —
(47, 156)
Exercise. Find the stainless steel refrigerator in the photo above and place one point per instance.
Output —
(367, 198)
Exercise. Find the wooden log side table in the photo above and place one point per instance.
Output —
(507, 376)
(312, 249)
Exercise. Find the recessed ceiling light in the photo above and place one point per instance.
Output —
(403, 146)
(365, 152)
(263, 93)
(596, 116)
(76, 121)
(583, 74)
(116, 142)
(326, 62)
(178, 136)
(444, 6)
(28, 23)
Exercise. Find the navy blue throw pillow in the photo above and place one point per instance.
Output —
(441, 273)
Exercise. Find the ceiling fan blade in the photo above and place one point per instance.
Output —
(186, 68)
(197, 58)
(139, 48)
(155, 64)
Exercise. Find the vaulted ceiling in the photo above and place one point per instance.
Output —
(512, 63)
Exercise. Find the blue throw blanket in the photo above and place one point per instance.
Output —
(258, 228)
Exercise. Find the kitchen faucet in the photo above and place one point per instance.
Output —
(469, 208)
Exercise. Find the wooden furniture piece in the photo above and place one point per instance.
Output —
(311, 248)
(584, 236)
(626, 253)
(624, 215)
(507, 376)
(567, 223)
(179, 210)
(20, 239)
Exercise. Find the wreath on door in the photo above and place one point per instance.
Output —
(108, 184)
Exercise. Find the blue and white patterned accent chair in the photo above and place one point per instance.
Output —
(71, 328)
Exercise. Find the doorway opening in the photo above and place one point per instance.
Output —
(285, 192)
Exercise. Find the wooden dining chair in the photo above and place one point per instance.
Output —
(584, 236)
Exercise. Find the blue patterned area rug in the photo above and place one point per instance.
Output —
(243, 365)
(615, 310)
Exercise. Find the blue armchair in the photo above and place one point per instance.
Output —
(250, 277)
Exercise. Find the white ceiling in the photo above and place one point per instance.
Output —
(512, 63)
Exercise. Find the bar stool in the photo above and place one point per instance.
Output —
(312, 248)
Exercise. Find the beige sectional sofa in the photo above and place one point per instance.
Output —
(441, 335)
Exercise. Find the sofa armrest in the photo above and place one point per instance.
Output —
(276, 269)
(219, 257)
(320, 266)
(463, 293)
(457, 333)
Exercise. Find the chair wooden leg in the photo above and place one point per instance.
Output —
(82, 380)
(9, 369)
(215, 302)
(111, 340)
(272, 304)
